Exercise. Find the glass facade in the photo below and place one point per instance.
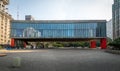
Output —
(58, 29)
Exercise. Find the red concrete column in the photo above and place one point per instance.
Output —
(12, 42)
(93, 44)
(24, 45)
(103, 43)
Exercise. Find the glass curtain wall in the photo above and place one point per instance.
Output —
(57, 30)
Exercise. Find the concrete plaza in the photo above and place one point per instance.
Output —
(61, 60)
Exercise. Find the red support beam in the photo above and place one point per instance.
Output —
(12, 42)
(93, 44)
(103, 43)
(24, 45)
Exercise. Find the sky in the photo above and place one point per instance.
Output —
(62, 9)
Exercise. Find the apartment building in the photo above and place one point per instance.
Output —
(5, 19)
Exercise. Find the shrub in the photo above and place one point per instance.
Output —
(1, 47)
(115, 44)
(57, 45)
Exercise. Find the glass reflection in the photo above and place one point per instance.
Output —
(57, 30)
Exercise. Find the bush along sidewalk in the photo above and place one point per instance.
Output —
(1, 47)
(115, 44)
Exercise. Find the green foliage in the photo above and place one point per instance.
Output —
(86, 44)
(98, 43)
(78, 44)
(1, 47)
(75, 44)
(115, 43)
(64, 44)
(46, 45)
(57, 45)
(109, 40)
(39, 45)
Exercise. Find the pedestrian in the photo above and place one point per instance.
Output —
(31, 46)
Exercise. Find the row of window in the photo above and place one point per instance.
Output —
(56, 26)
(56, 33)
(54, 30)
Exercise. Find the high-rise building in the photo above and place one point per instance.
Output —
(116, 19)
(109, 29)
(4, 23)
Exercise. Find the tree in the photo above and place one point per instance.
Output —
(115, 43)
(56, 44)
(39, 45)
(1, 47)
(109, 39)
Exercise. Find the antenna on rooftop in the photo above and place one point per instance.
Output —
(17, 12)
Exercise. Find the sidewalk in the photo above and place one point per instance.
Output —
(3, 52)
(113, 51)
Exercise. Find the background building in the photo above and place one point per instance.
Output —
(109, 29)
(29, 17)
(4, 23)
(116, 18)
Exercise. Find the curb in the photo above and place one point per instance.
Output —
(2, 55)
(113, 51)
(3, 51)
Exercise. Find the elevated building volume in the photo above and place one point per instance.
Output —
(23, 31)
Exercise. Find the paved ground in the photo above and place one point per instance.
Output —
(62, 60)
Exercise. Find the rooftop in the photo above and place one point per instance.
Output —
(59, 21)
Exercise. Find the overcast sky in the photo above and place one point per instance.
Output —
(62, 9)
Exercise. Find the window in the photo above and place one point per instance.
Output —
(61, 30)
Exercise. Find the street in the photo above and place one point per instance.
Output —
(62, 60)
